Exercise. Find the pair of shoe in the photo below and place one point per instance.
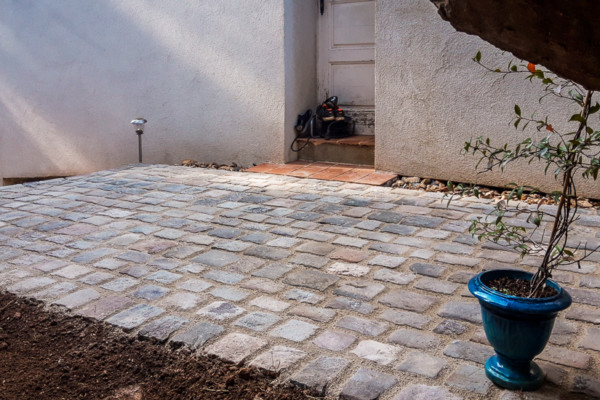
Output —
(329, 111)
(302, 120)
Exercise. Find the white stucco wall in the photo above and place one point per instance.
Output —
(208, 75)
(431, 98)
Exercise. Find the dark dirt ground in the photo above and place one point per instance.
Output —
(49, 355)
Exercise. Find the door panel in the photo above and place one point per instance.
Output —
(346, 58)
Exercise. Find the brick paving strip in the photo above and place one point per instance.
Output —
(355, 290)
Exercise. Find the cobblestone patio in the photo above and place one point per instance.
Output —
(351, 289)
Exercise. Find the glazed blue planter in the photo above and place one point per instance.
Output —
(518, 328)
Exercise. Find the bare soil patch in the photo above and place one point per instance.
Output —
(49, 355)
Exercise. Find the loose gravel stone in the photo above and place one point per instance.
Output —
(367, 384)
(317, 374)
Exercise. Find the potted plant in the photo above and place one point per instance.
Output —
(519, 308)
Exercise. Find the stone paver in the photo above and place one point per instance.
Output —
(356, 291)
(367, 384)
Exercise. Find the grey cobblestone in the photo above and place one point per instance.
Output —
(311, 279)
(469, 311)
(236, 347)
(380, 353)
(417, 391)
(398, 278)
(197, 335)
(470, 378)
(135, 316)
(78, 298)
(317, 374)
(421, 363)
(294, 330)
(414, 339)
(303, 296)
(278, 358)
(229, 293)
(434, 271)
(334, 341)
(408, 300)
(314, 313)
(367, 384)
(29, 284)
(407, 318)
(105, 307)
(150, 292)
(221, 310)
(360, 290)
(341, 303)
(257, 321)
(162, 328)
(362, 326)
(269, 303)
(470, 351)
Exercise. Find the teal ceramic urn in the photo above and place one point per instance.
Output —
(518, 328)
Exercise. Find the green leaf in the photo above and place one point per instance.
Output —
(517, 110)
(594, 108)
(513, 68)
(577, 117)
(478, 56)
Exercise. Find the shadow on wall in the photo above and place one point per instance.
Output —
(75, 73)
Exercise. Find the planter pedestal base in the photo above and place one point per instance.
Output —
(514, 376)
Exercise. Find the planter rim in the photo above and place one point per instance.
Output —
(490, 297)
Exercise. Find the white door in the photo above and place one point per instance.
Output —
(346, 58)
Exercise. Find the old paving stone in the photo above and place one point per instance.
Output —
(310, 260)
(278, 358)
(221, 310)
(450, 327)
(150, 292)
(398, 278)
(303, 296)
(421, 363)
(236, 347)
(408, 300)
(591, 339)
(317, 374)
(562, 356)
(387, 261)
(381, 353)
(334, 340)
(584, 314)
(30, 284)
(360, 290)
(294, 330)
(162, 328)
(424, 392)
(414, 339)
(469, 311)
(341, 303)
(273, 271)
(135, 316)
(311, 279)
(181, 301)
(367, 384)
(216, 258)
(197, 335)
(314, 313)
(269, 303)
(363, 326)
(436, 285)
(229, 293)
(588, 385)
(434, 271)
(408, 318)
(470, 378)
(469, 351)
(78, 298)
(348, 269)
(257, 321)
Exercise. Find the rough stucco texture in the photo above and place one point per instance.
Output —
(431, 98)
(208, 75)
